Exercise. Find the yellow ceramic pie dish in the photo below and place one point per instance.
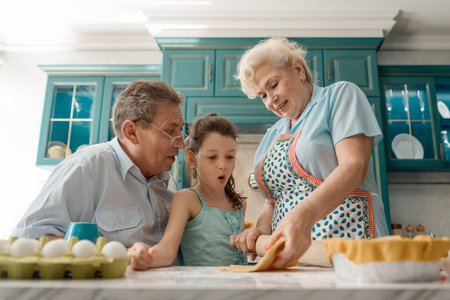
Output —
(387, 259)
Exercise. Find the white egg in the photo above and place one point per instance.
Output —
(84, 249)
(114, 249)
(3, 246)
(23, 247)
(55, 248)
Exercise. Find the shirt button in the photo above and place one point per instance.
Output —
(120, 221)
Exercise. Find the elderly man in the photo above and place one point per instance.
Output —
(122, 185)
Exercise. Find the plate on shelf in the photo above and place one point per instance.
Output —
(58, 150)
(401, 145)
(443, 110)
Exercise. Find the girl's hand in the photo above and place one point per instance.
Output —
(141, 258)
(298, 239)
(246, 241)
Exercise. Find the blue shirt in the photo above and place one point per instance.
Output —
(100, 184)
(334, 113)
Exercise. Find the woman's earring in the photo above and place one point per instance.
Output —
(194, 173)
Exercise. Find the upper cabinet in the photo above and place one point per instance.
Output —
(77, 108)
(204, 73)
(357, 66)
(415, 101)
(210, 72)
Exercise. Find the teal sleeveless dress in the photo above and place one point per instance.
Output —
(206, 238)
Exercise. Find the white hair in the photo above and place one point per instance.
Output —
(278, 51)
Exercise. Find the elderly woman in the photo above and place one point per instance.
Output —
(314, 165)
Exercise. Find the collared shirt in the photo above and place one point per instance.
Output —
(334, 113)
(100, 184)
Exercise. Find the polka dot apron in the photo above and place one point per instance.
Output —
(282, 179)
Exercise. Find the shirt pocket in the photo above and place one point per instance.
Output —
(120, 224)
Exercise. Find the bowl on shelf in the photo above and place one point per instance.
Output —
(58, 149)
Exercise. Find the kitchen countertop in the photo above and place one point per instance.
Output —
(302, 282)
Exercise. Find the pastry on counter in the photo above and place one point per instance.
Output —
(264, 263)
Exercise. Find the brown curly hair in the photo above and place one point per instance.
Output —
(198, 131)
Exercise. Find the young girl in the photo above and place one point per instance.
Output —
(203, 218)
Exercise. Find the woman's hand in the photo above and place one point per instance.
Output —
(246, 241)
(141, 258)
(297, 231)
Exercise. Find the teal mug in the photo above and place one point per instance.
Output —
(83, 231)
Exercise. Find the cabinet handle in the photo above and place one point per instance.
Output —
(178, 170)
(210, 70)
(329, 72)
(442, 153)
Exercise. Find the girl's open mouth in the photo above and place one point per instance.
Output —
(222, 179)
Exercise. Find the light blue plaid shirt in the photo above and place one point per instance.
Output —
(101, 184)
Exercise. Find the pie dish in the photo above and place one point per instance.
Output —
(401, 145)
(387, 259)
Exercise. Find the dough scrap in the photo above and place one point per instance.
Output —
(264, 263)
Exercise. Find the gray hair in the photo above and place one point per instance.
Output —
(141, 99)
(278, 51)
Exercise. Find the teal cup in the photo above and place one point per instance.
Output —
(83, 231)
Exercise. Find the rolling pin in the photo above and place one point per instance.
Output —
(315, 255)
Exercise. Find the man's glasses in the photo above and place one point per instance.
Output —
(174, 140)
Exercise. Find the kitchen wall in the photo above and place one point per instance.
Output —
(22, 90)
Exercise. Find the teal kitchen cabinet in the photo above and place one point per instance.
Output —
(240, 111)
(204, 73)
(71, 117)
(314, 60)
(357, 66)
(77, 108)
(411, 96)
(189, 71)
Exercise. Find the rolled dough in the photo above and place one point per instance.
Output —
(264, 263)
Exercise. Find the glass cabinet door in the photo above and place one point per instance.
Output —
(114, 85)
(71, 116)
(413, 139)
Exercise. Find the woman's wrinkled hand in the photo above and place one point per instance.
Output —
(246, 241)
(141, 258)
(298, 239)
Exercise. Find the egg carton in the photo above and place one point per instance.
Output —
(65, 266)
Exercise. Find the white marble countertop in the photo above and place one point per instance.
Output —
(302, 282)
